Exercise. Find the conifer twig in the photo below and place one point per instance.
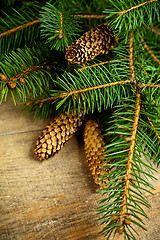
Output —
(90, 16)
(96, 87)
(149, 50)
(127, 178)
(61, 29)
(131, 58)
(101, 63)
(148, 85)
(23, 26)
(63, 95)
(137, 6)
(19, 76)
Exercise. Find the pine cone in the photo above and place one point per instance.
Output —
(98, 40)
(94, 148)
(56, 134)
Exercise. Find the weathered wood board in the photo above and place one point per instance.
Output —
(54, 199)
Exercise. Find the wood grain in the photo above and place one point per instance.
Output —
(54, 199)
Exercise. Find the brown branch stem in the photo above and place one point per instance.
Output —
(61, 29)
(131, 58)
(63, 95)
(140, 85)
(101, 63)
(97, 87)
(23, 26)
(90, 16)
(129, 162)
(137, 6)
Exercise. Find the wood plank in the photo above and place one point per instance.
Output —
(54, 199)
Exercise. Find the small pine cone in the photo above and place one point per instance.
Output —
(98, 40)
(57, 133)
(94, 148)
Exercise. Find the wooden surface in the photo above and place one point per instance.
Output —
(54, 199)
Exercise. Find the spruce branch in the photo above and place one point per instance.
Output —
(101, 63)
(149, 50)
(23, 26)
(90, 16)
(80, 88)
(122, 217)
(94, 88)
(17, 28)
(137, 6)
(131, 59)
(129, 15)
(27, 70)
(55, 26)
(140, 85)
(124, 195)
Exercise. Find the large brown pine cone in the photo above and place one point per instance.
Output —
(98, 40)
(94, 148)
(56, 134)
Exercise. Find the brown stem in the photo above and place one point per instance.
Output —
(96, 87)
(137, 6)
(61, 29)
(19, 27)
(41, 101)
(19, 76)
(149, 50)
(101, 63)
(148, 85)
(129, 162)
(90, 16)
(131, 58)
(63, 95)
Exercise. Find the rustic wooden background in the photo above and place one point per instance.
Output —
(54, 199)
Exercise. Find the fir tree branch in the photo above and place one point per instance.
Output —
(19, 27)
(131, 59)
(27, 71)
(64, 94)
(149, 50)
(90, 16)
(129, 162)
(61, 26)
(101, 63)
(19, 76)
(137, 6)
(55, 26)
(23, 26)
(148, 85)
(41, 101)
(95, 88)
